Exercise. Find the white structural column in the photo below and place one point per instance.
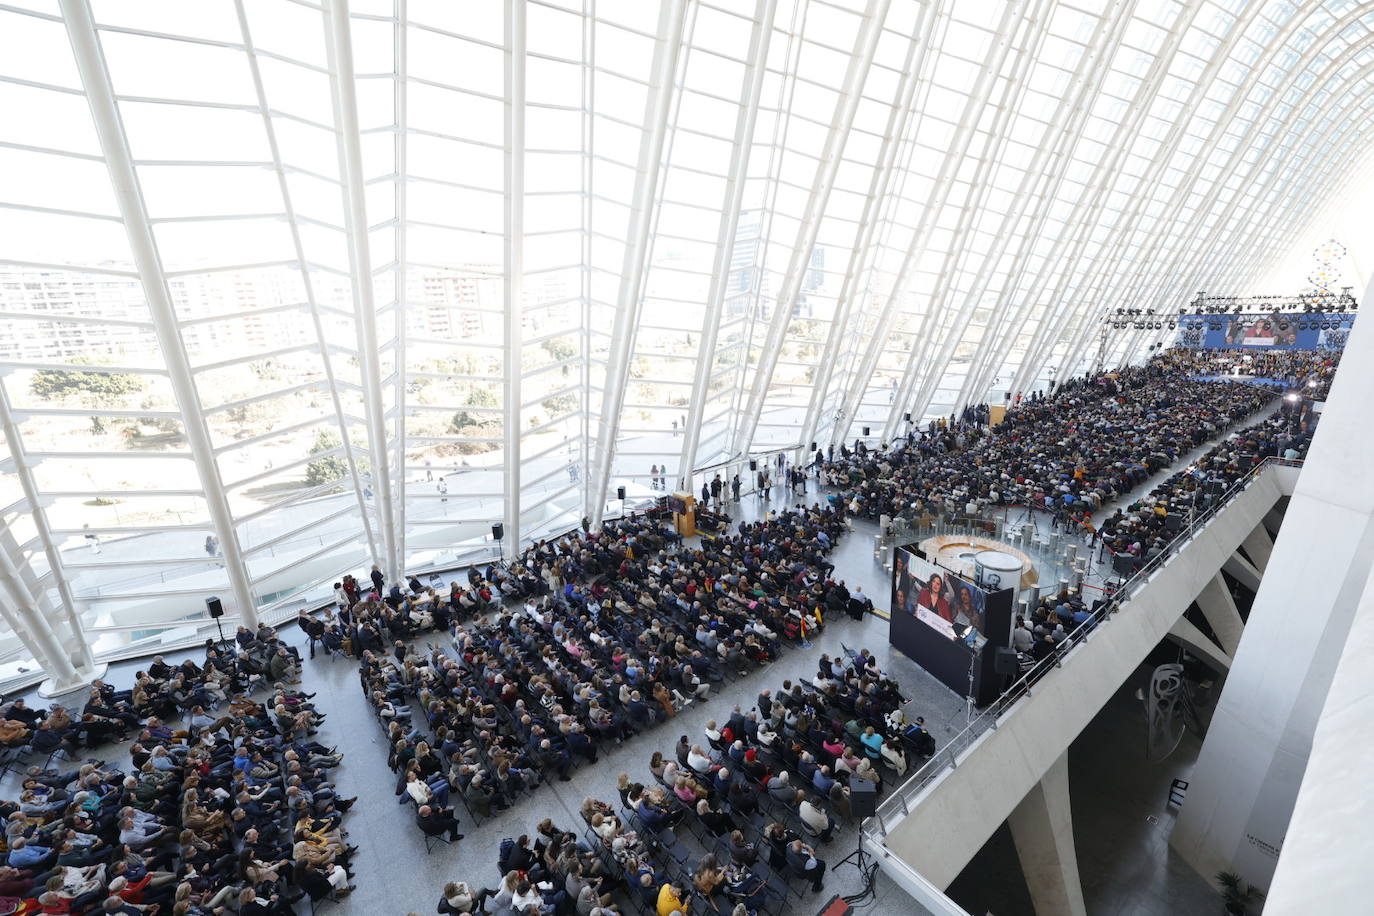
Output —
(658, 103)
(1223, 617)
(513, 281)
(1325, 863)
(745, 121)
(950, 164)
(22, 613)
(95, 78)
(307, 283)
(1042, 828)
(873, 351)
(864, 252)
(1195, 641)
(1243, 570)
(78, 649)
(1246, 780)
(841, 119)
(400, 138)
(1259, 546)
(340, 44)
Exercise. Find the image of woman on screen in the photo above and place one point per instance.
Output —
(932, 597)
(968, 606)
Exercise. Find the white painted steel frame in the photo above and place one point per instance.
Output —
(339, 43)
(513, 282)
(630, 299)
(756, 69)
(119, 163)
(856, 73)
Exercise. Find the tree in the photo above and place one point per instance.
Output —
(95, 389)
(330, 467)
(477, 397)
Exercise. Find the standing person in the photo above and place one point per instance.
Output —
(734, 488)
(716, 486)
(378, 580)
(705, 495)
(653, 476)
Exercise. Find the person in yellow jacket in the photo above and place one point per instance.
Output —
(670, 901)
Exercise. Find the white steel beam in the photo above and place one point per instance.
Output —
(1123, 138)
(658, 103)
(78, 649)
(842, 119)
(95, 78)
(339, 43)
(400, 120)
(950, 163)
(745, 120)
(307, 282)
(22, 612)
(1068, 121)
(864, 253)
(513, 280)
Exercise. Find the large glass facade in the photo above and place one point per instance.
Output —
(290, 288)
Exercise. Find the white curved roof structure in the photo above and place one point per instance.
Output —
(290, 287)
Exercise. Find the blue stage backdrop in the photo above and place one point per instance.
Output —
(1260, 331)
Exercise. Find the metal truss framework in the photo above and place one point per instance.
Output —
(375, 274)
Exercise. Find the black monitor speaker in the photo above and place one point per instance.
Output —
(863, 798)
(620, 493)
(214, 606)
(865, 430)
(498, 531)
(1004, 662)
(813, 446)
(908, 418)
(753, 465)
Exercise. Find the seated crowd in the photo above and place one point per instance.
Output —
(637, 630)
(229, 813)
(729, 822)
(1093, 440)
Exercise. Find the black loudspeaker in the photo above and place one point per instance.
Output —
(863, 798)
(214, 606)
(753, 465)
(865, 430)
(498, 531)
(813, 446)
(1004, 662)
(908, 418)
(620, 493)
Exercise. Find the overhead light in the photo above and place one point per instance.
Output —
(1292, 397)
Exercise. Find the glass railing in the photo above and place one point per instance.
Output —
(946, 758)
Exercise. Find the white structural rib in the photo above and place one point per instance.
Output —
(865, 45)
(95, 78)
(1091, 69)
(864, 252)
(1048, 332)
(1003, 332)
(950, 163)
(307, 282)
(21, 611)
(342, 85)
(399, 99)
(514, 279)
(998, 49)
(667, 47)
(745, 121)
(79, 650)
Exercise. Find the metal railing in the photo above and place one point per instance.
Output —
(947, 757)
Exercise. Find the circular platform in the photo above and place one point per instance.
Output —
(961, 553)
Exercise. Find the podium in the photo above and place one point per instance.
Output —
(684, 507)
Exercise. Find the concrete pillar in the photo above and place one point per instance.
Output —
(1244, 571)
(1196, 642)
(1042, 828)
(1242, 792)
(1219, 608)
(1259, 545)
